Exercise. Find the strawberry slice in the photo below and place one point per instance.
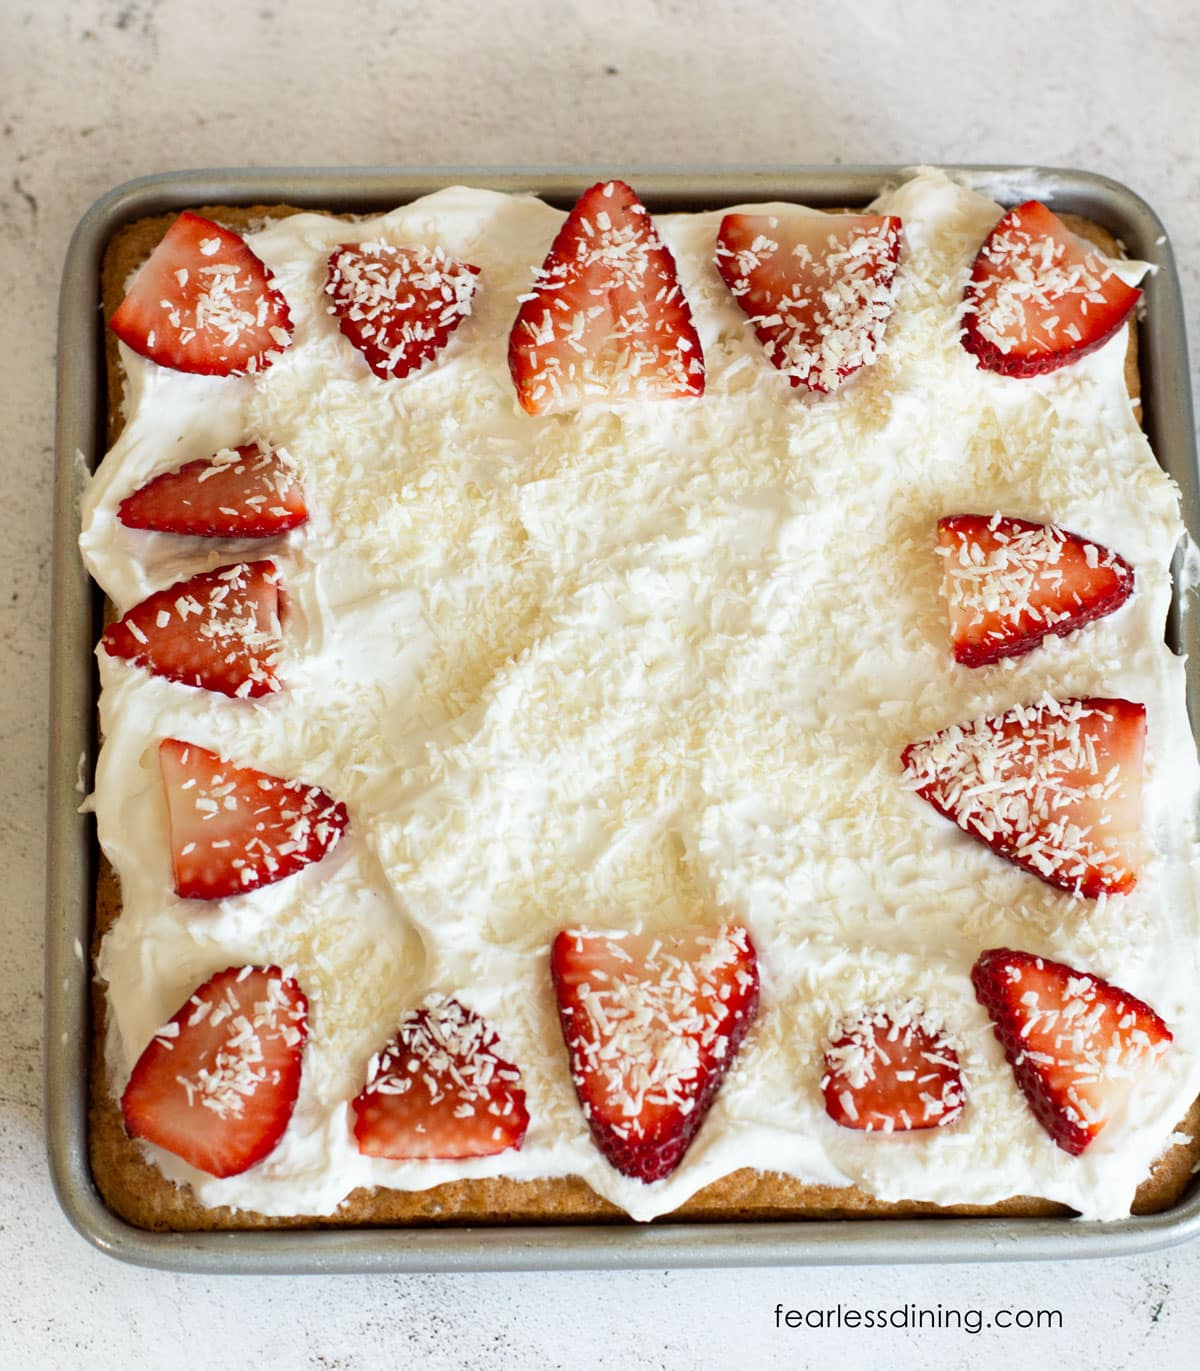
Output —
(218, 631)
(1054, 787)
(892, 1071)
(1077, 1045)
(440, 1089)
(816, 287)
(1010, 583)
(239, 492)
(234, 828)
(398, 306)
(203, 302)
(217, 1085)
(1039, 297)
(606, 319)
(651, 1026)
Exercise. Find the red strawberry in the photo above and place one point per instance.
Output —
(891, 1072)
(651, 1027)
(237, 493)
(204, 302)
(606, 319)
(1077, 1045)
(816, 287)
(234, 828)
(218, 631)
(440, 1089)
(217, 1084)
(1010, 583)
(398, 306)
(1055, 787)
(1040, 297)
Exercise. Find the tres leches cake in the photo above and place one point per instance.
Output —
(639, 702)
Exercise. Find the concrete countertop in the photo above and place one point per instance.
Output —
(93, 92)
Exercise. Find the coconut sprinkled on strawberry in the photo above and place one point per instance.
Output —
(818, 288)
(204, 302)
(652, 1025)
(218, 1083)
(1039, 297)
(892, 1069)
(1077, 1044)
(1055, 787)
(217, 631)
(606, 319)
(243, 492)
(1010, 583)
(398, 306)
(235, 828)
(441, 1089)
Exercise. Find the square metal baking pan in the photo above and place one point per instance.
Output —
(72, 852)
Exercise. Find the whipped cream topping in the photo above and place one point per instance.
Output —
(645, 667)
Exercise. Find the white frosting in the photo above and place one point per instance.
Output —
(647, 666)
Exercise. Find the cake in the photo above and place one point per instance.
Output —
(630, 664)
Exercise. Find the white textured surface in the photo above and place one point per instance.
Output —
(95, 93)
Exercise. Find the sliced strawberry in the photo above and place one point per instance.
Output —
(440, 1089)
(1077, 1045)
(651, 1027)
(234, 828)
(217, 1085)
(606, 319)
(219, 631)
(816, 287)
(398, 306)
(1040, 297)
(892, 1071)
(203, 302)
(237, 493)
(1055, 787)
(1010, 583)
